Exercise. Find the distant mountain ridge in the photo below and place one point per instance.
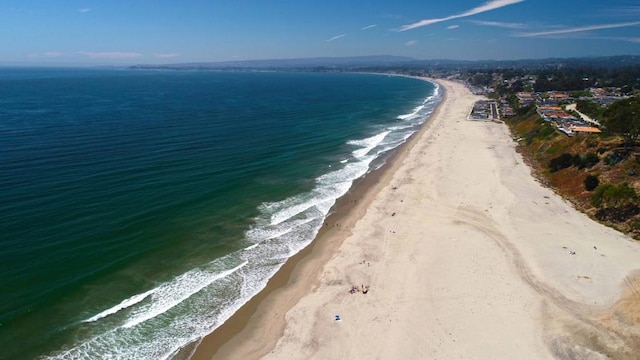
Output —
(297, 62)
(356, 62)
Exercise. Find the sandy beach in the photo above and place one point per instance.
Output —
(465, 255)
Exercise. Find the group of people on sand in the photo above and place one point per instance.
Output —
(354, 289)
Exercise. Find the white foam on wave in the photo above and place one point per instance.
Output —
(286, 227)
(433, 96)
(436, 90)
(404, 126)
(122, 305)
(250, 247)
(298, 206)
(329, 187)
(293, 230)
(122, 342)
(325, 206)
(412, 114)
(170, 294)
(428, 101)
(262, 233)
(337, 180)
(335, 184)
(367, 144)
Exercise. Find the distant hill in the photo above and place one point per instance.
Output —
(388, 61)
(385, 60)
(594, 62)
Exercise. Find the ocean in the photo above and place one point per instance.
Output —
(140, 209)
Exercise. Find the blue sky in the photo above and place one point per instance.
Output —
(161, 31)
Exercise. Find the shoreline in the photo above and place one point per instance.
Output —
(311, 258)
(467, 255)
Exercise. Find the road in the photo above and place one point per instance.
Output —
(494, 111)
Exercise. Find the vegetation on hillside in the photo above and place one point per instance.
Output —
(590, 109)
(599, 173)
(623, 118)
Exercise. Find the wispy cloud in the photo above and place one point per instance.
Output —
(619, 38)
(337, 37)
(48, 54)
(411, 43)
(166, 55)
(628, 11)
(499, 24)
(369, 27)
(453, 27)
(84, 10)
(488, 6)
(632, 10)
(111, 55)
(635, 40)
(578, 29)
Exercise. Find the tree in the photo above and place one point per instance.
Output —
(623, 118)
(481, 79)
(517, 86)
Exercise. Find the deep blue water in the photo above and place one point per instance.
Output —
(138, 210)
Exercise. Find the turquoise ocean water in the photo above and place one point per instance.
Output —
(140, 209)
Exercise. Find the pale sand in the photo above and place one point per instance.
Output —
(475, 264)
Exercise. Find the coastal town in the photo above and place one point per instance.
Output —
(557, 107)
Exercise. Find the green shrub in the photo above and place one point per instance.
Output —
(545, 132)
(621, 195)
(591, 182)
(590, 160)
(561, 162)
(591, 142)
(597, 199)
(613, 196)
(577, 161)
(614, 158)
